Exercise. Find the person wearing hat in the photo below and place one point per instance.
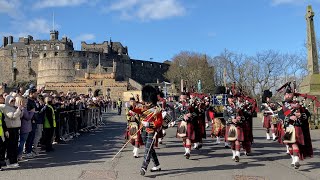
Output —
(269, 110)
(151, 120)
(295, 117)
(234, 131)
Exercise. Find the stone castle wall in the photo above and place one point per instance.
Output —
(55, 60)
(148, 72)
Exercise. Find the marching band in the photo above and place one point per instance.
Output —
(231, 114)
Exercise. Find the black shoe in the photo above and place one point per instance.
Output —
(136, 156)
(142, 171)
(187, 155)
(297, 165)
(236, 159)
(247, 154)
(199, 146)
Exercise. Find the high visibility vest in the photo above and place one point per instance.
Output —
(119, 103)
(1, 129)
(46, 121)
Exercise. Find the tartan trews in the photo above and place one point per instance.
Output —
(149, 151)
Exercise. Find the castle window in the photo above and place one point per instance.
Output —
(95, 83)
(14, 64)
(45, 48)
(150, 64)
(101, 83)
(44, 55)
(160, 65)
(55, 53)
(57, 47)
(141, 64)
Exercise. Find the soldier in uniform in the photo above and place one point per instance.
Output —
(151, 121)
(296, 133)
(133, 124)
(269, 115)
(234, 132)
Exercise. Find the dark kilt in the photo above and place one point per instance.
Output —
(239, 133)
(299, 135)
(247, 132)
(191, 131)
(280, 132)
(200, 130)
(267, 122)
(306, 150)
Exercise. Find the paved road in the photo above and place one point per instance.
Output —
(89, 157)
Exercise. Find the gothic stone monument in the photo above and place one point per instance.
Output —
(311, 83)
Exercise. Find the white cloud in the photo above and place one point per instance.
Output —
(58, 3)
(38, 26)
(147, 9)
(35, 27)
(11, 8)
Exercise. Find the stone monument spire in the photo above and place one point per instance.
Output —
(313, 66)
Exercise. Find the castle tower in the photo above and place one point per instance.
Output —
(55, 67)
(54, 35)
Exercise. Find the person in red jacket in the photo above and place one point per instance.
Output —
(151, 120)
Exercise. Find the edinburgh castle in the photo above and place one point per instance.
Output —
(55, 65)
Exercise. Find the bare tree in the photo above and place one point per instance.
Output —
(192, 67)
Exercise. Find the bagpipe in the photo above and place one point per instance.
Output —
(244, 104)
(290, 109)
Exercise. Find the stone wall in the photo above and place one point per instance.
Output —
(148, 72)
(117, 88)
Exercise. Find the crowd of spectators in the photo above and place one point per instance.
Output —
(34, 120)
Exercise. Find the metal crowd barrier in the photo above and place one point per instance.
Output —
(70, 123)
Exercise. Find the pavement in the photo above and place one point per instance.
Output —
(88, 157)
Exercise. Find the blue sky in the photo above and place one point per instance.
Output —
(159, 29)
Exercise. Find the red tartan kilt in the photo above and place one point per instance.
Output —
(190, 131)
(247, 132)
(280, 132)
(239, 133)
(299, 135)
(201, 129)
(267, 122)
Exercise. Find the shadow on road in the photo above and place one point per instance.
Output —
(88, 148)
